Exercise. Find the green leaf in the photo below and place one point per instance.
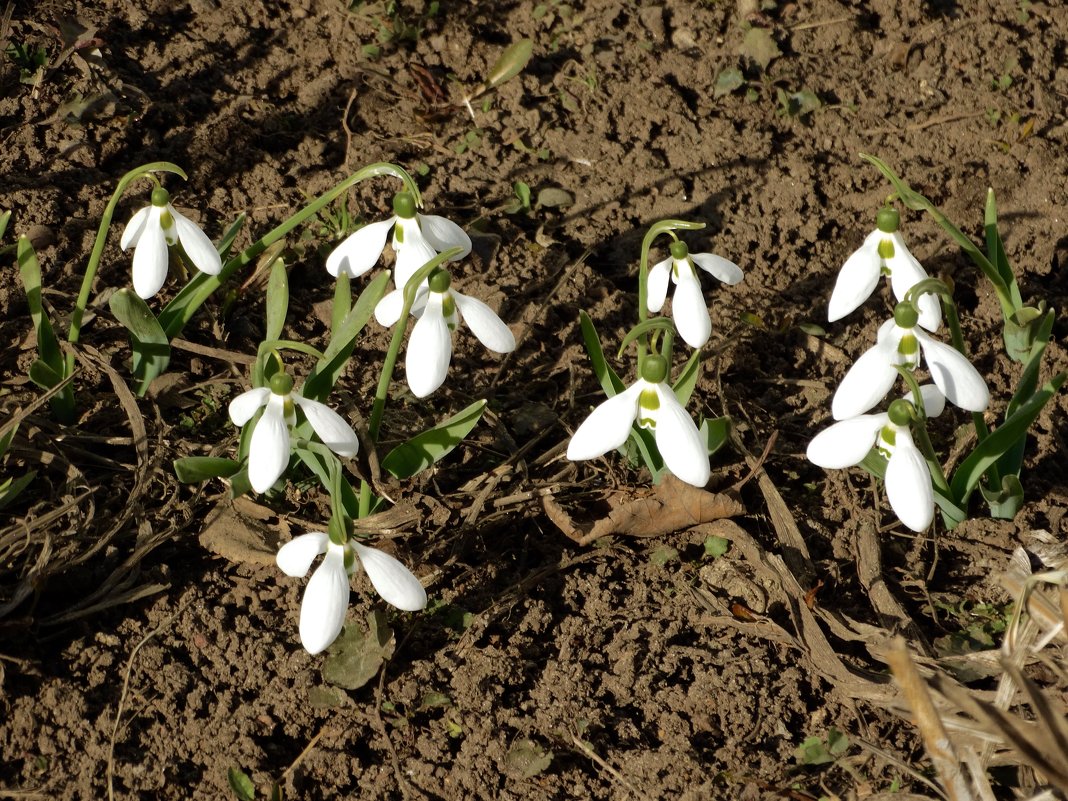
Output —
(970, 471)
(5, 218)
(241, 784)
(995, 248)
(194, 469)
(13, 486)
(687, 380)
(716, 431)
(30, 272)
(610, 382)
(716, 546)
(759, 46)
(554, 198)
(421, 451)
(277, 299)
(526, 759)
(228, 238)
(151, 348)
(1005, 502)
(511, 62)
(357, 654)
(727, 81)
(329, 368)
(1012, 460)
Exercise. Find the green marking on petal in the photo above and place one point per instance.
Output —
(886, 250)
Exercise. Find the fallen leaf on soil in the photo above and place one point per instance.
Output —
(238, 530)
(673, 506)
(356, 656)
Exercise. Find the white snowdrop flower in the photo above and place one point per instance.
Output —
(688, 307)
(439, 310)
(269, 450)
(326, 598)
(417, 238)
(155, 227)
(908, 476)
(651, 403)
(900, 341)
(883, 253)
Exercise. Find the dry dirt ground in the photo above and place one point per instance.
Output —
(144, 662)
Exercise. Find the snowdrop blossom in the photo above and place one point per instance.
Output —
(883, 253)
(417, 238)
(326, 598)
(269, 450)
(439, 310)
(688, 307)
(900, 341)
(651, 402)
(155, 227)
(908, 477)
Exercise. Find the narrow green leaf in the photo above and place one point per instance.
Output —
(151, 348)
(241, 784)
(5, 218)
(30, 272)
(644, 441)
(511, 62)
(610, 382)
(423, 450)
(43, 375)
(1012, 460)
(995, 248)
(228, 238)
(277, 299)
(687, 380)
(716, 431)
(7, 436)
(194, 469)
(13, 486)
(1006, 501)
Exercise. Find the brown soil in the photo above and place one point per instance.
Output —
(647, 669)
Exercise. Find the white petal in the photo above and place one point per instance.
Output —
(442, 234)
(856, 280)
(905, 273)
(197, 245)
(954, 374)
(388, 310)
(689, 310)
(326, 600)
(247, 404)
(429, 350)
(484, 323)
(268, 452)
(392, 580)
(867, 382)
(360, 250)
(296, 556)
(725, 270)
(134, 228)
(846, 443)
(331, 427)
(607, 427)
(151, 260)
(908, 484)
(657, 286)
(412, 256)
(934, 400)
(680, 443)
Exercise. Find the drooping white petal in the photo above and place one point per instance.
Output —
(657, 286)
(484, 323)
(679, 441)
(268, 452)
(934, 400)
(330, 427)
(151, 260)
(689, 310)
(908, 483)
(360, 250)
(442, 234)
(296, 556)
(326, 600)
(412, 255)
(389, 308)
(723, 269)
(393, 581)
(905, 273)
(954, 374)
(856, 280)
(868, 380)
(607, 427)
(196, 244)
(247, 404)
(134, 228)
(429, 349)
(845, 443)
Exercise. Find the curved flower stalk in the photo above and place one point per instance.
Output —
(155, 228)
(651, 403)
(908, 476)
(439, 310)
(901, 342)
(688, 307)
(270, 448)
(417, 238)
(883, 253)
(326, 598)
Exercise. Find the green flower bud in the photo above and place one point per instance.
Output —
(679, 250)
(888, 220)
(440, 280)
(654, 370)
(906, 315)
(160, 196)
(901, 412)
(404, 205)
(281, 383)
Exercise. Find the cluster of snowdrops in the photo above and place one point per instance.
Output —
(285, 427)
